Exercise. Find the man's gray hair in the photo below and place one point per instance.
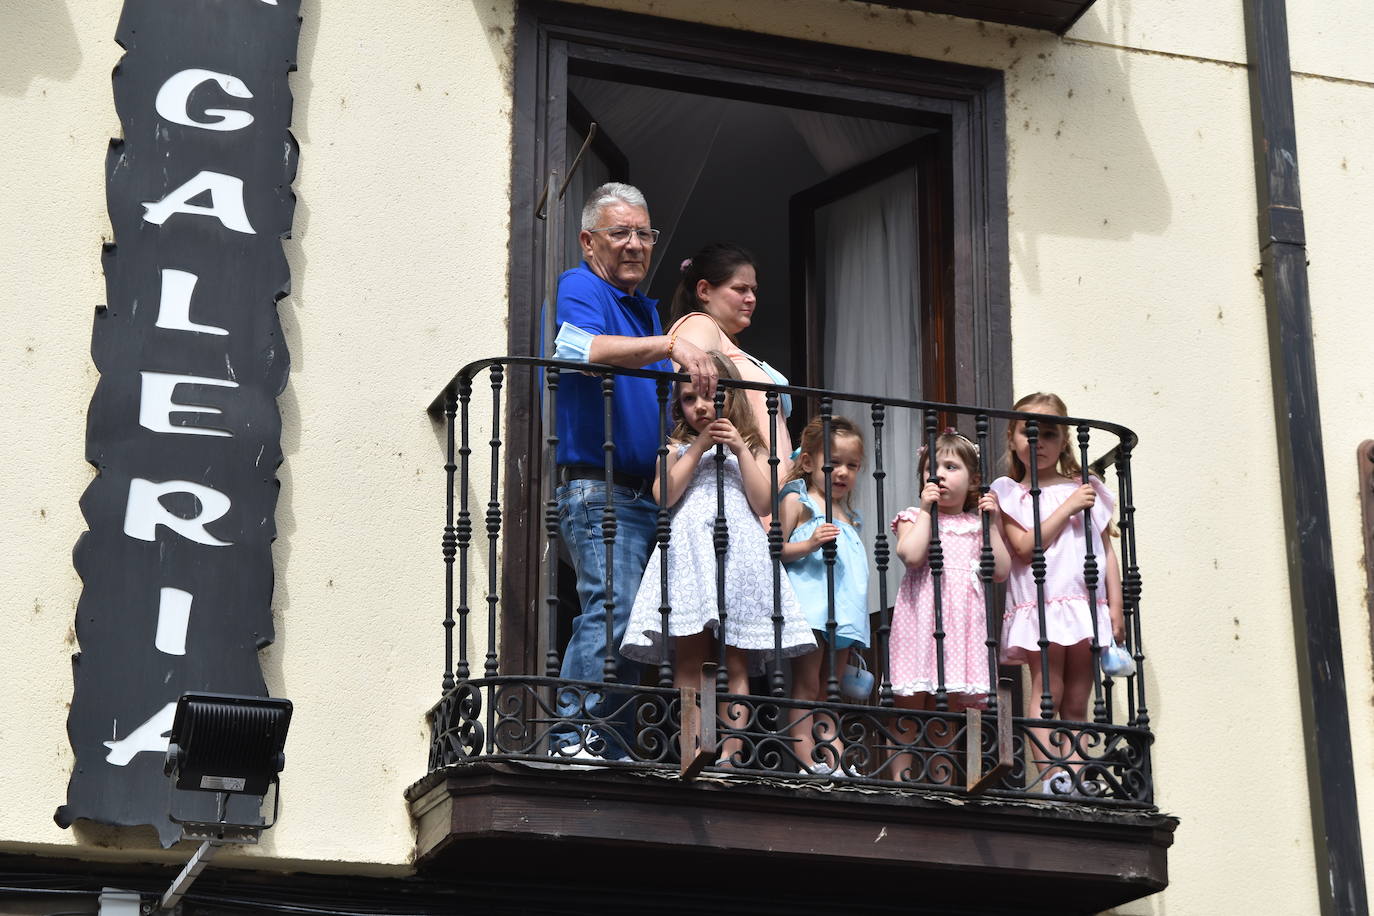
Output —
(609, 193)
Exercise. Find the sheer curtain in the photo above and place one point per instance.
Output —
(867, 259)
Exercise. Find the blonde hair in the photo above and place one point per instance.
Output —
(1066, 465)
(736, 410)
(967, 453)
(813, 444)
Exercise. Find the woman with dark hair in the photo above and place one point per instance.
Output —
(714, 301)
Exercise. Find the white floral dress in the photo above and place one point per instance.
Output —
(692, 578)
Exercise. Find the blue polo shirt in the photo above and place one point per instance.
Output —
(597, 307)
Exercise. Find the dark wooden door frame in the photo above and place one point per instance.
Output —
(553, 40)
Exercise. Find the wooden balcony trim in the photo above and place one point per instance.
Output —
(1099, 858)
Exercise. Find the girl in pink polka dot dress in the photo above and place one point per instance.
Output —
(914, 662)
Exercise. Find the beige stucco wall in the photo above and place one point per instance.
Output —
(1134, 295)
(399, 271)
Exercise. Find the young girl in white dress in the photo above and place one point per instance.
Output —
(693, 620)
(1068, 618)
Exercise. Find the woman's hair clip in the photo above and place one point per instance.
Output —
(686, 263)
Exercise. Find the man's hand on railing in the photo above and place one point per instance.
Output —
(696, 363)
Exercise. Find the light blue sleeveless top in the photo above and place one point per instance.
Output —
(807, 574)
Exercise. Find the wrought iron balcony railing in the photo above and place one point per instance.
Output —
(489, 712)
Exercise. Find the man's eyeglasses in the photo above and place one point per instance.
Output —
(619, 235)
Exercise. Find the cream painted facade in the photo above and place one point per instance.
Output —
(1133, 294)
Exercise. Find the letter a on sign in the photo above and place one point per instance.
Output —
(226, 202)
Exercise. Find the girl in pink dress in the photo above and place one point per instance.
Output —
(913, 648)
(1068, 618)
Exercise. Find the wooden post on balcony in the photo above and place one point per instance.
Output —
(979, 782)
(697, 739)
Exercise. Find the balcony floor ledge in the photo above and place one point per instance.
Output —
(991, 854)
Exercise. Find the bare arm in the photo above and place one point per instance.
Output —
(680, 469)
(635, 352)
(1114, 595)
(700, 329)
(1001, 559)
(913, 541)
(1022, 540)
(758, 487)
(793, 514)
(913, 538)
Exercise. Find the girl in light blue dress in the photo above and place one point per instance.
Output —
(805, 529)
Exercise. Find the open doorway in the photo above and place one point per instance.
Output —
(870, 187)
(763, 175)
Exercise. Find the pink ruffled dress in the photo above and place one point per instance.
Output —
(1067, 620)
(963, 613)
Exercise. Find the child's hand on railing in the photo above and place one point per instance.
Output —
(723, 432)
(930, 494)
(1085, 497)
(824, 534)
(988, 505)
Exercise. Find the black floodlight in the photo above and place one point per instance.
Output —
(222, 742)
(226, 744)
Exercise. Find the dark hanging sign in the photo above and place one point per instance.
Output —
(183, 427)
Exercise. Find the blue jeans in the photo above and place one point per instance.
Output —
(580, 505)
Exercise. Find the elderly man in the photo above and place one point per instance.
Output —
(603, 318)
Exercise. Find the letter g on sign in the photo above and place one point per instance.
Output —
(176, 92)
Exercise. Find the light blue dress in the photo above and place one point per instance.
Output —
(807, 574)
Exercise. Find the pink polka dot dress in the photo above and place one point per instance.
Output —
(963, 611)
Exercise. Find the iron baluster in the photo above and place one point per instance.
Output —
(450, 543)
(464, 525)
(880, 558)
(987, 561)
(720, 539)
(775, 540)
(1038, 567)
(1127, 606)
(1132, 586)
(491, 669)
(662, 534)
(829, 550)
(1090, 580)
(551, 660)
(935, 559)
(608, 525)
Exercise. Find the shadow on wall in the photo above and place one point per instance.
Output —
(288, 402)
(39, 42)
(1082, 164)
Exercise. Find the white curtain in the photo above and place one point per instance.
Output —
(866, 248)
